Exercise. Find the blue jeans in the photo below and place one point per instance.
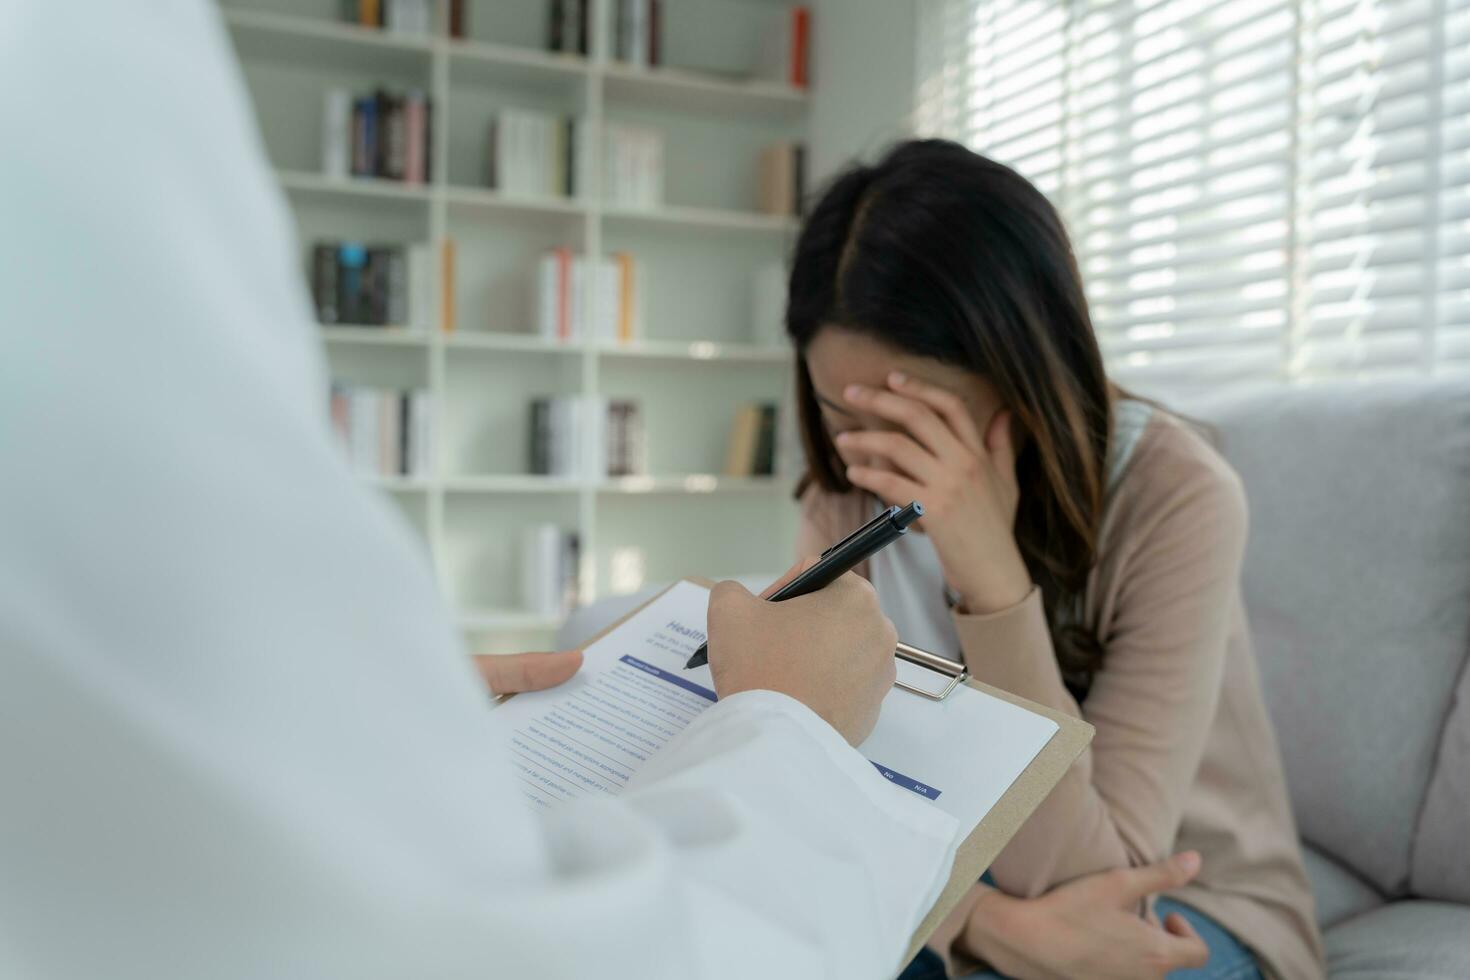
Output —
(1229, 960)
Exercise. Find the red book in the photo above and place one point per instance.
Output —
(655, 28)
(340, 413)
(563, 294)
(801, 20)
(413, 165)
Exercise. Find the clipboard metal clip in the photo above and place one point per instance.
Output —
(957, 672)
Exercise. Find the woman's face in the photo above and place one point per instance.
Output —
(838, 358)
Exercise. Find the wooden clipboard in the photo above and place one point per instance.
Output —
(992, 834)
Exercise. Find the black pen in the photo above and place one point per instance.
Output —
(839, 559)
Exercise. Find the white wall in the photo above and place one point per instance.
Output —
(862, 89)
(862, 94)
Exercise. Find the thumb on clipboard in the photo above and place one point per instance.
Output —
(516, 673)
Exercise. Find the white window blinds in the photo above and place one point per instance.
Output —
(1255, 188)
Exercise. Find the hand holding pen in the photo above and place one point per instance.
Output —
(831, 651)
(839, 559)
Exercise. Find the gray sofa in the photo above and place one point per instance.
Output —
(1357, 584)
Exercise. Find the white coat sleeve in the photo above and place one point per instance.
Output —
(238, 734)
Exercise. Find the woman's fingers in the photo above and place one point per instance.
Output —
(1000, 443)
(1186, 950)
(513, 673)
(1177, 925)
(891, 488)
(948, 405)
(897, 448)
(1133, 885)
(918, 419)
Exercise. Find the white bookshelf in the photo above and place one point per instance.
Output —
(696, 360)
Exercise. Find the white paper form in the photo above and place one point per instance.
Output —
(633, 694)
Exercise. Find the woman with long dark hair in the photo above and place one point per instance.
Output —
(1080, 547)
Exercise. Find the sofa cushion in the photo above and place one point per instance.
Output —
(1357, 584)
(1406, 940)
(1441, 852)
(1340, 894)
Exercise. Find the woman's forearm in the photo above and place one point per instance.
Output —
(1073, 832)
(982, 940)
(1087, 929)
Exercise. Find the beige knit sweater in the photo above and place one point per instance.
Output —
(1185, 756)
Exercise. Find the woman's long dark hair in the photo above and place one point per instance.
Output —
(941, 253)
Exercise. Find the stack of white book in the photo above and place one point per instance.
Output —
(399, 16)
(632, 166)
(409, 16)
(560, 446)
(586, 437)
(536, 154)
(384, 432)
(637, 36)
(550, 559)
(576, 300)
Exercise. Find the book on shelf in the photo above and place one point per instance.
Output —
(383, 134)
(384, 432)
(558, 443)
(550, 570)
(587, 437)
(577, 301)
(638, 32)
(627, 450)
(781, 179)
(568, 28)
(459, 19)
(632, 165)
(372, 285)
(409, 16)
(337, 133)
(368, 13)
(399, 16)
(751, 450)
(446, 285)
(785, 56)
(536, 154)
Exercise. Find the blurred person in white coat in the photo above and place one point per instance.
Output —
(238, 734)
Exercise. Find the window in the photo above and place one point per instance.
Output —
(1255, 188)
